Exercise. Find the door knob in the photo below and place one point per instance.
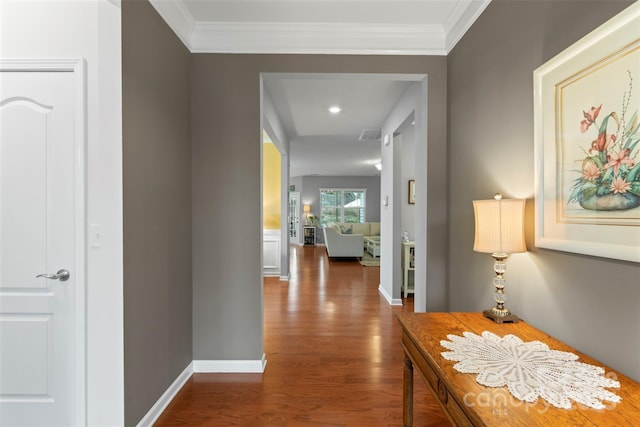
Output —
(62, 275)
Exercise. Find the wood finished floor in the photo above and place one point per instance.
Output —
(333, 358)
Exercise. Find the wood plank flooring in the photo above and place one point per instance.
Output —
(333, 358)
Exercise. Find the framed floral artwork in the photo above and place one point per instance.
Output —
(587, 143)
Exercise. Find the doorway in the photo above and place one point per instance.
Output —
(294, 218)
(412, 100)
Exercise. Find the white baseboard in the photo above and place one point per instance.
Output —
(230, 366)
(200, 366)
(267, 273)
(285, 278)
(390, 300)
(156, 410)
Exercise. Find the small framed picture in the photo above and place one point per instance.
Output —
(412, 191)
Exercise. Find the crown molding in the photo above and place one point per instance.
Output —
(318, 38)
(461, 20)
(176, 15)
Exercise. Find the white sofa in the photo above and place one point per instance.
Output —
(347, 239)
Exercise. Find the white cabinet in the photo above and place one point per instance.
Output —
(408, 264)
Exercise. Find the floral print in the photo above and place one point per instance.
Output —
(589, 118)
(610, 173)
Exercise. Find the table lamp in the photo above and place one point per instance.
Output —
(500, 232)
(307, 209)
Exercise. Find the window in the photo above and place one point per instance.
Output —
(342, 205)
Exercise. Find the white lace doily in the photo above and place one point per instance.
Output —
(530, 369)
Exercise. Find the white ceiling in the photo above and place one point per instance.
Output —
(364, 103)
(347, 11)
(321, 143)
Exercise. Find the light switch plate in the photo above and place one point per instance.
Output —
(95, 236)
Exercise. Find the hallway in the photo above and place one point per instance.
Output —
(333, 358)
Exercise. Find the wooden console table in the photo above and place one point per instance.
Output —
(468, 403)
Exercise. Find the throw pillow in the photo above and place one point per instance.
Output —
(361, 228)
(375, 228)
(346, 229)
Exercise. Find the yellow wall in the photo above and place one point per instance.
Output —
(271, 187)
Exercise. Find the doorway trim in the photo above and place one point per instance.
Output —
(77, 66)
(418, 103)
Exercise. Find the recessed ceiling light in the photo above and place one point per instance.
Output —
(334, 109)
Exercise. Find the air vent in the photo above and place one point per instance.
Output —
(370, 134)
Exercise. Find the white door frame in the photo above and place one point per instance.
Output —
(78, 68)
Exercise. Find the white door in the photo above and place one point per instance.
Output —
(41, 319)
(294, 217)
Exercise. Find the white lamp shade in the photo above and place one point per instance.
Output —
(307, 208)
(499, 226)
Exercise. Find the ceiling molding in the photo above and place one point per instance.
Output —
(319, 38)
(176, 15)
(461, 20)
(314, 38)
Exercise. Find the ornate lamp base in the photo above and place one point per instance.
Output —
(508, 318)
(499, 313)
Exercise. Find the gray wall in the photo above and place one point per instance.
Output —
(297, 181)
(591, 303)
(157, 207)
(310, 194)
(226, 185)
(407, 171)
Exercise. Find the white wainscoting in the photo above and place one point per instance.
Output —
(271, 252)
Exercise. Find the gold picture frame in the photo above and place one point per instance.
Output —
(587, 143)
(412, 192)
